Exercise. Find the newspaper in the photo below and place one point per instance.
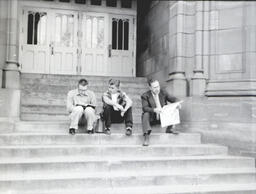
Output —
(170, 114)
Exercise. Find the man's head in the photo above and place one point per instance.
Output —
(113, 86)
(154, 86)
(82, 86)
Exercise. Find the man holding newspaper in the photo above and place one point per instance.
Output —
(153, 102)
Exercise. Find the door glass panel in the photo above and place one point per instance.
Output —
(100, 37)
(120, 34)
(126, 3)
(114, 34)
(126, 35)
(95, 2)
(64, 30)
(80, 1)
(88, 31)
(111, 3)
(36, 31)
(94, 32)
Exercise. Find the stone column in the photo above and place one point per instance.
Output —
(177, 83)
(10, 93)
(3, 33)
(198, 80)
(11, 69)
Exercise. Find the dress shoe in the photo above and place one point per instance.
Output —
(107, 131)
(170, 129)
(72, 131)
(90, 131)
(128, 131)
(146, 140)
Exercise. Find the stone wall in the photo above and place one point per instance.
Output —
(230, 121)
(232, 49)
(3, 36)
(212, 41)
(153, 40)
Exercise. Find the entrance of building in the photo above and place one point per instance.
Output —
(57, 41)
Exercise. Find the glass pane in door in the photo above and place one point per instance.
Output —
(64, 30)
(36, 31)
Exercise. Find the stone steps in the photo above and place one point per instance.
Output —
(40, 156)
(45, 139)
(173, 189)
(105, 180)
(62, 126)
(33, 151)
(43, 97)
(78, 164)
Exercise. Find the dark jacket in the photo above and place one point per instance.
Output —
(148, 102)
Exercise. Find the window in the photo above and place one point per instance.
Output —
(126, 3)
(111, 3)
(36, 31)
(66, 1)
(64, 26)
(94, 29)
(95, 2)
(120, 34)
(80, 1)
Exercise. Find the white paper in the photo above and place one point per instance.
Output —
(170, 114)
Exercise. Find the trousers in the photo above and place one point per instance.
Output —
(78, 112)
(112, 116)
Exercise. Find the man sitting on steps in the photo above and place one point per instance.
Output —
(81, 101)
(152, 103)
(117, 107)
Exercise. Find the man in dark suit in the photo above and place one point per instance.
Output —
(152, 103)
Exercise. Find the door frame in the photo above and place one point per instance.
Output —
(133, 41)
(44, 6)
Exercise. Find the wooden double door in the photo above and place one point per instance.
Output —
(70, 42)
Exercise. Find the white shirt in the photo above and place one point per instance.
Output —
(114, 98)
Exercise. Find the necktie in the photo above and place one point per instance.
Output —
(158, 105)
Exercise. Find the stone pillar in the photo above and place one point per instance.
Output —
(177, 83)
(3, 33)
(198, 80)
(10, 93)
(11, 69)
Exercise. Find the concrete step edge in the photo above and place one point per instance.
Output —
(127, 174)
(103, 146)
(176, 189)
(75, 159)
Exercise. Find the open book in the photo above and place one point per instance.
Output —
(170, 114)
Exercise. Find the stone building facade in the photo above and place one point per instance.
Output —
(201, 51)
(204, 52)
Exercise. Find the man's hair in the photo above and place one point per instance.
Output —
(83, 82)
(151, 80)
(114, 82)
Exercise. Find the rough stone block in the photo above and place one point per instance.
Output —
(229, 63)
(9, 103)
(229, 41)
(231, 18)
(250, 42)
(173, 10)
(188, 45)
(189, 24)
(189, 7)
(229, 4)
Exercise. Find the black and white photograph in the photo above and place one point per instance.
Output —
(127, 97)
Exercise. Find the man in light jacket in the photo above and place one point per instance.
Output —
(81, 101)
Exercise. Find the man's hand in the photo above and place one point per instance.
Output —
(179, 106)
(158, 110)
(119, 107)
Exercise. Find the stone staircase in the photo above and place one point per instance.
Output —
(40, 157)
